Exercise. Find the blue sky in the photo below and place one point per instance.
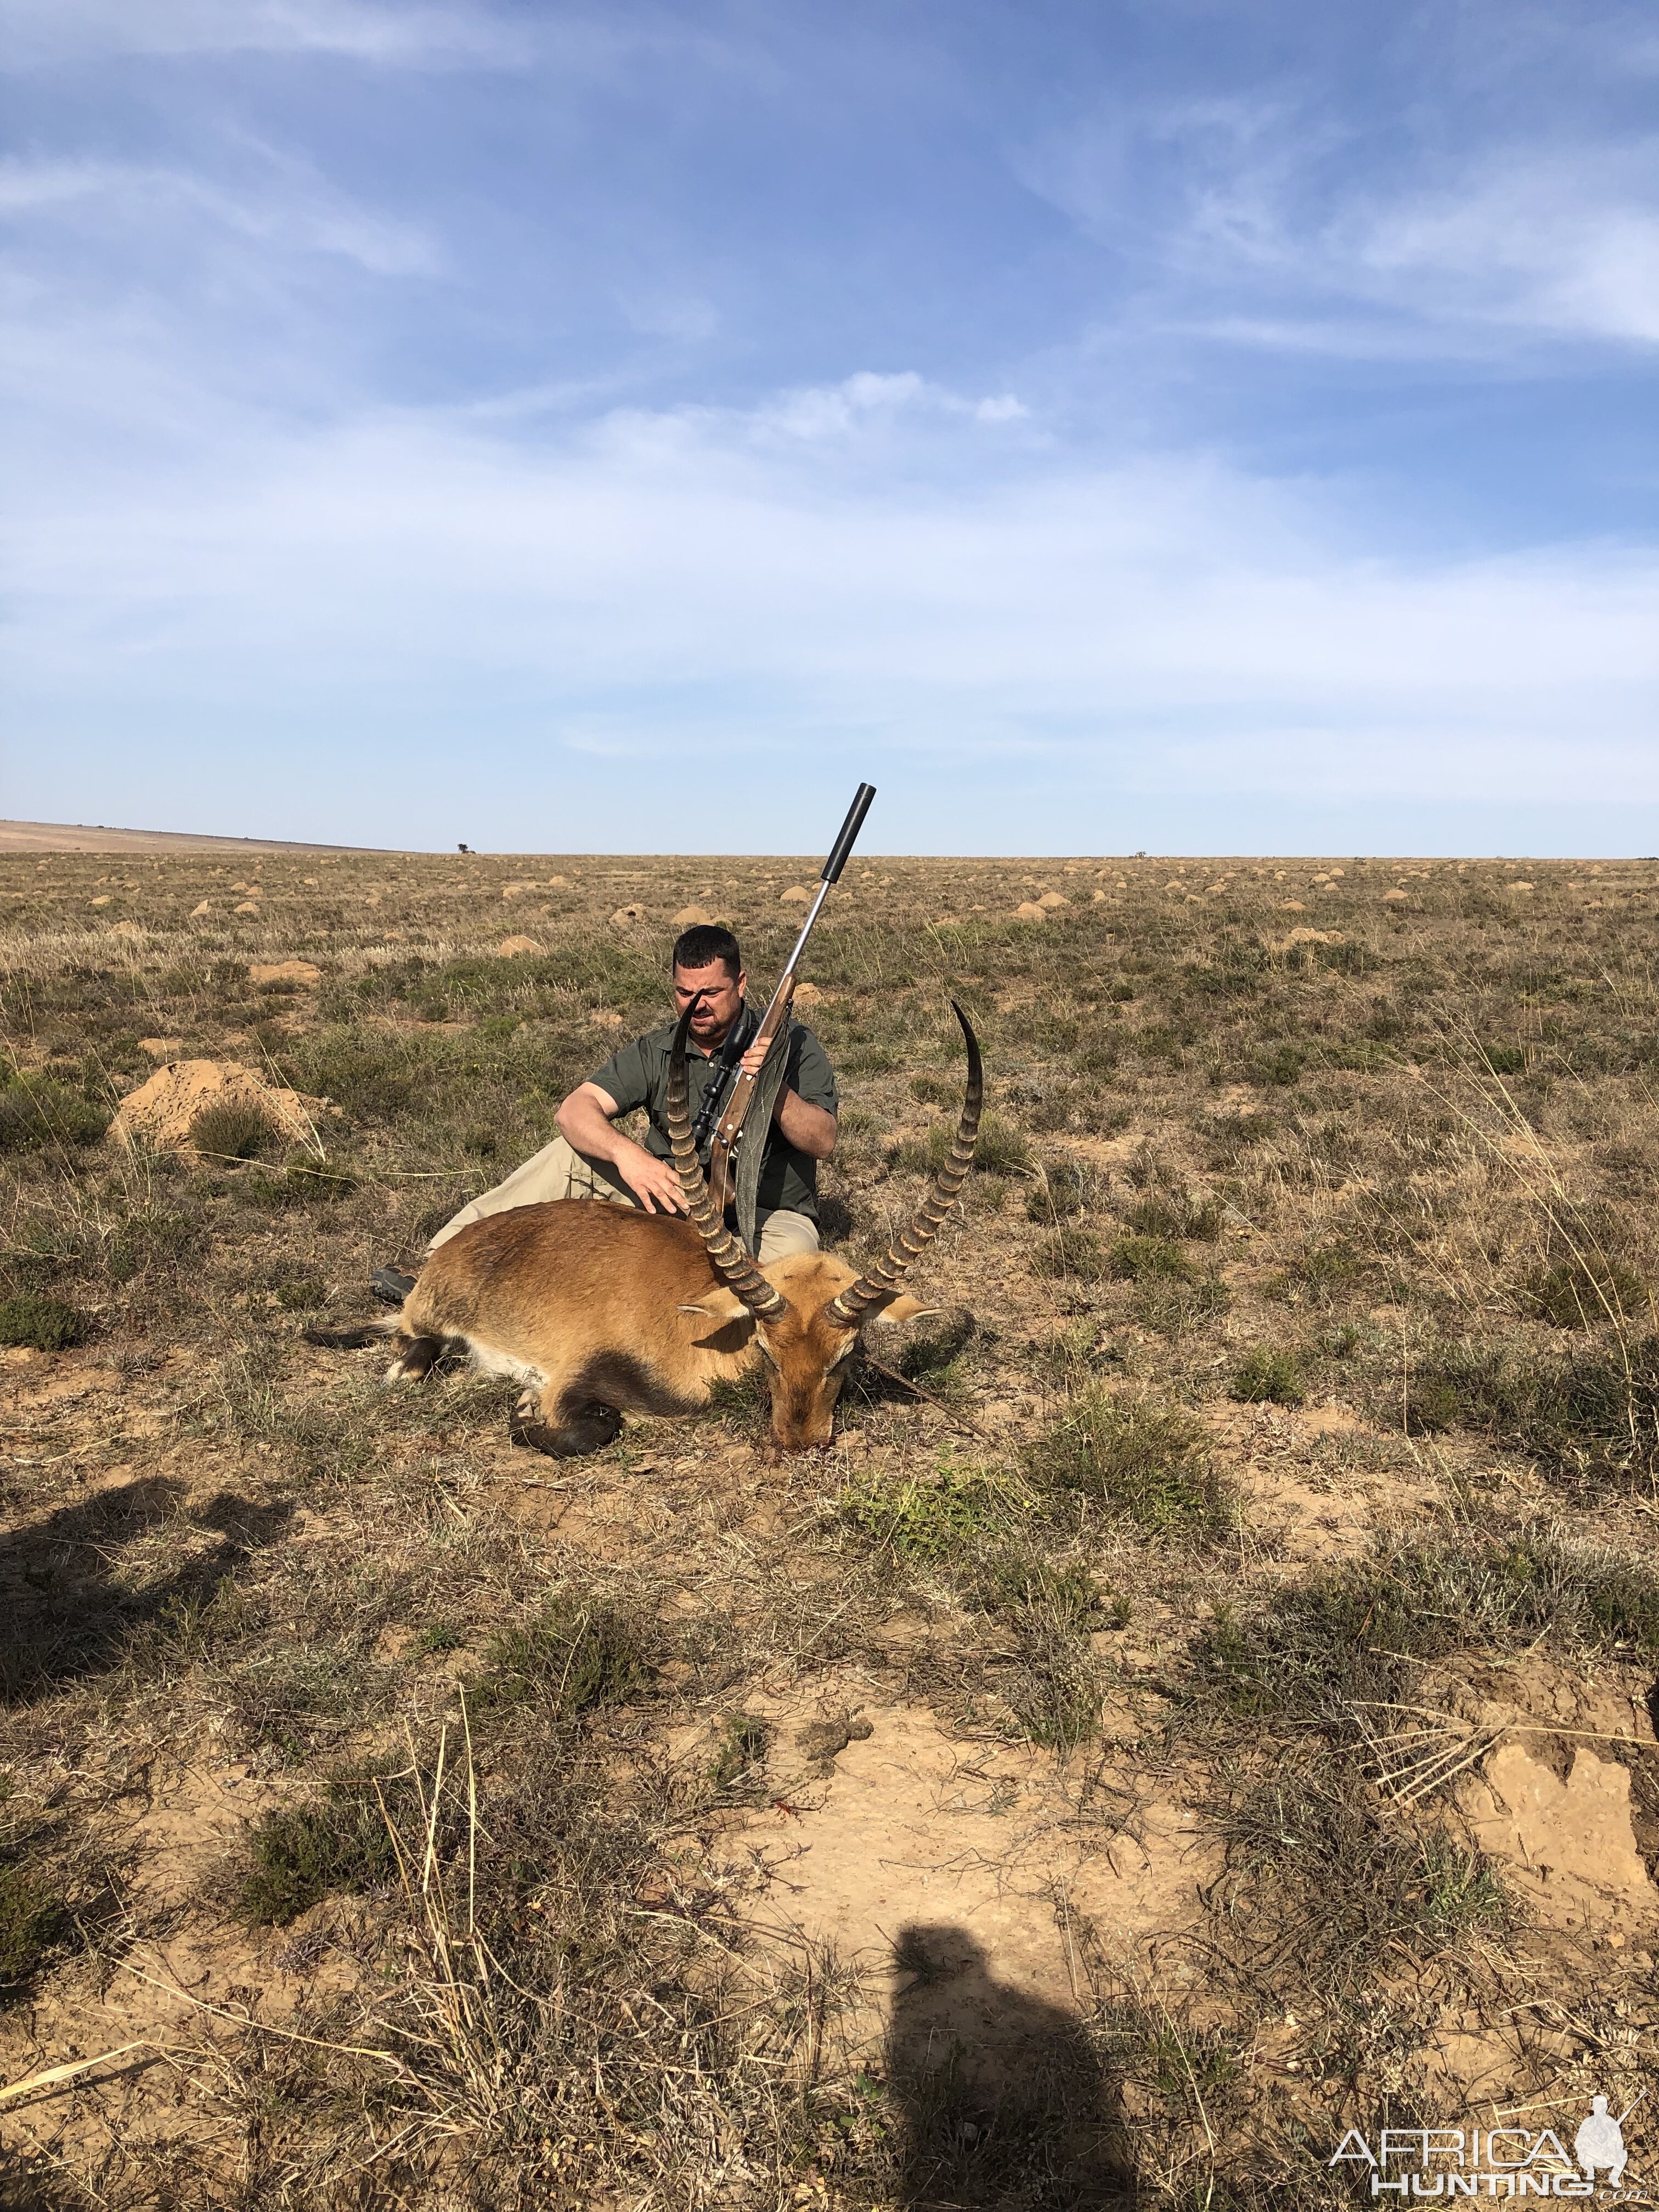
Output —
(1199, 427)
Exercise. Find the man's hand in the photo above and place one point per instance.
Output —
(755, 1059)
(653, 1182)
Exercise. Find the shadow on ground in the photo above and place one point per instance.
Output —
(68, 1609)
(1001, 2100)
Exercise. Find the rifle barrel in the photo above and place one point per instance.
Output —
(844, 842)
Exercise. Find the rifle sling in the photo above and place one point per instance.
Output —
(751, 1156)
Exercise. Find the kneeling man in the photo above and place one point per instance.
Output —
(590, 1159)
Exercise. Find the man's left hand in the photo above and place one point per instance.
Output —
(755, 1059)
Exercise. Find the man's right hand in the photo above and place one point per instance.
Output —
(653, 1182)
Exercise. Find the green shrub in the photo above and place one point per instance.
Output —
(1317, 1276)
(303, 1295)
(31, 1915)
(1169, 1306)
(1275, 1067)
(297, 1855)
(231, 1129)
(1149, 1462)
(743, 1743)
(44, 1324)
(1230, 1134)
(35, 1112)
(1588, 1291)
(1070, 1252)
(1589, 1415)
(572, 1659)
(1353, 1638)
(1000, 1149)
(1016, 1581)
(1264, 1376)
(1138, 1259)
(960, 1508)
(1174, 1215)
(371, 1078)
(1065, 1189)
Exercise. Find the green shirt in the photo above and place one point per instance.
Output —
(638, 1076)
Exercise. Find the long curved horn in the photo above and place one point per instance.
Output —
(731, 1262)
(882, 1280)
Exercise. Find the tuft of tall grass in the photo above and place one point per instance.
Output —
(230, 1129)
(37, 1112)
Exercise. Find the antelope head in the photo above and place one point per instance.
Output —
(807, 1311)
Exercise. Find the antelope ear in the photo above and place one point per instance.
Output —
(720, 1306)
(905, 1308)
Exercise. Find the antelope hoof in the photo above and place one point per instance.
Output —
(586, 1429)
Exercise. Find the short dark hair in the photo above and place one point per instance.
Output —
(705, 943)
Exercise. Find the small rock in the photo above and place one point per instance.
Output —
(510, 947)
(1315, 937)
(1396, 898)
(284, 971)
(796, 895)
(104, 901)
(1097, 896)
(1292, 906)
(689, 917)
(625, 916)
(126, 929)
(161, 1047)
(1028, 910)
(197, 912)
(1052, 899)
(247, 907)
(808, 994)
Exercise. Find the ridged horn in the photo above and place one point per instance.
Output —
(884, 1279)
(730, 1262)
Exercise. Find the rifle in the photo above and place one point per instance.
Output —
(728, 1131)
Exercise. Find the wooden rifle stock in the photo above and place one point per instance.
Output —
(728, 1130)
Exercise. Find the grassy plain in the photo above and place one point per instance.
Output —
(1220, 1714)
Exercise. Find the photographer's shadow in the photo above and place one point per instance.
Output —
(69, 1609)
(1002, 2101)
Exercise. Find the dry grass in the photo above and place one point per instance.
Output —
(469, 1926)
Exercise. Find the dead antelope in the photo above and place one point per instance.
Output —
(602, 1311)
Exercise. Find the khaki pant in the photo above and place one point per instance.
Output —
(557, 1171)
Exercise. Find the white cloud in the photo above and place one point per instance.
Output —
(867, 400)
(659, 578)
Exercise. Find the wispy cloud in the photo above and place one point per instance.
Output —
(288, 207)
(1279, 226)
(414, 35)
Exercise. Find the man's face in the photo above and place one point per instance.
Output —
(721, 1003)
